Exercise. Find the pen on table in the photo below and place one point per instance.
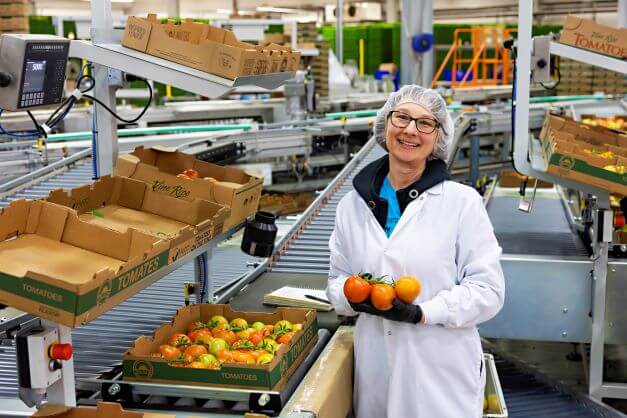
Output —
(317, 299)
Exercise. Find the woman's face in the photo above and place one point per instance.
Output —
(410, 144)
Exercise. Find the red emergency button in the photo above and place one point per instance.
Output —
(60, 351)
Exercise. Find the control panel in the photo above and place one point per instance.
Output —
(32, 70)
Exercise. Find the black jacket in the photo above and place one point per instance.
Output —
(369, 180)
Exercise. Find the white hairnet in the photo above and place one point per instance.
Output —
(428, 99)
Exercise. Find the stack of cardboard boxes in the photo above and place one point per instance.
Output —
(207, 48)
(14, 16)
(320, 68)
(81, 252)
(581, 78)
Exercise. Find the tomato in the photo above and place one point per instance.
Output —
(209, 360)
(198, 334)
(196, 350)
(356, 289)
(238, 324)
(197, 365)
(382, 295)
(204, 340)
(255, 337)
(228, 336)
(269, 345)
(257, 353)
(242, 345)
(281, 327)
(258, 325)
(179, 340)
(168, 352)
(218, 321)
(191, 173)
(407, 288)
(265, 358)
(267, 330)
(183, 176)
(225, 356)
(194, 326)
(285, 338)
(297, 327)
(217, 345)
(188, 358)
(243, 357)
(243, 334)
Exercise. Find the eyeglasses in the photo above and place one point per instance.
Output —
(423, 125)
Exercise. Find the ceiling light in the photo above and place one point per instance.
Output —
(276, 9)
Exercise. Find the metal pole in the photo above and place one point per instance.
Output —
(391, 10)
(523, 69)
(599, 281)
(339, 31)
(105, 124)
(474, 159)
(427, 58)
(622, 13)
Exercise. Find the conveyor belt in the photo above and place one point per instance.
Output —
(99, 345)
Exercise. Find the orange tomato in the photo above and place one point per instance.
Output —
(228, 336)
(356, 289)
(194, 326)
(267, 330)
(197, 365)
(407, 288)
(195, 350)
(168, 352)
(257, 353)
(225, 356)
(255, 337)
(198, 334)
(191, 173)
(382, 295)
(242, 357)
(285, 338)
(179, 340)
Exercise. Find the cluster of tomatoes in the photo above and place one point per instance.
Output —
(359, 287)
(209, 344)
(191, 174)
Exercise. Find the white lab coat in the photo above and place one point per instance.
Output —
(446, 240)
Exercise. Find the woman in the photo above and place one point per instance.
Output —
(406, 218)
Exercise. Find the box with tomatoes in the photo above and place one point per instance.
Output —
(213, 345)
(120, 203)
(102, 410)
(182, 176)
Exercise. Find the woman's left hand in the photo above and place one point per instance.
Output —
(403, 312)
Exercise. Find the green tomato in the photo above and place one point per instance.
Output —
(258, 325)
(217, 345)
(281, 327)
(297, 327)
(208, 359)
(265, 358)
(269, 345)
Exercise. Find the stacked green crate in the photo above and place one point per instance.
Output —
(352, 35)
(378, 46)
(41, 25)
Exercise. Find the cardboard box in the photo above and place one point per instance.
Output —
(102, 410)
(159, 166)
(10, 9)
(510, 178)
(619, 237)
(573, 150)
(14, 23)
(327, 389)
(204, 47)
(139, 363)
(274, 38)
(120, 203)
(587, 34)
(57, 267)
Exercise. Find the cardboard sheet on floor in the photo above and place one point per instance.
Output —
(102, 410)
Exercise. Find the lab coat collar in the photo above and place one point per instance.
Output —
(369, 180)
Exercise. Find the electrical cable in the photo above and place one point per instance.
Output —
(118, 117)
(559, 79)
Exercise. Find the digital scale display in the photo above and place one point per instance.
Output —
(34, 76)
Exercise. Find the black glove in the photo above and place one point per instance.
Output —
(403, 312)
(365, 307)
(400, 311)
